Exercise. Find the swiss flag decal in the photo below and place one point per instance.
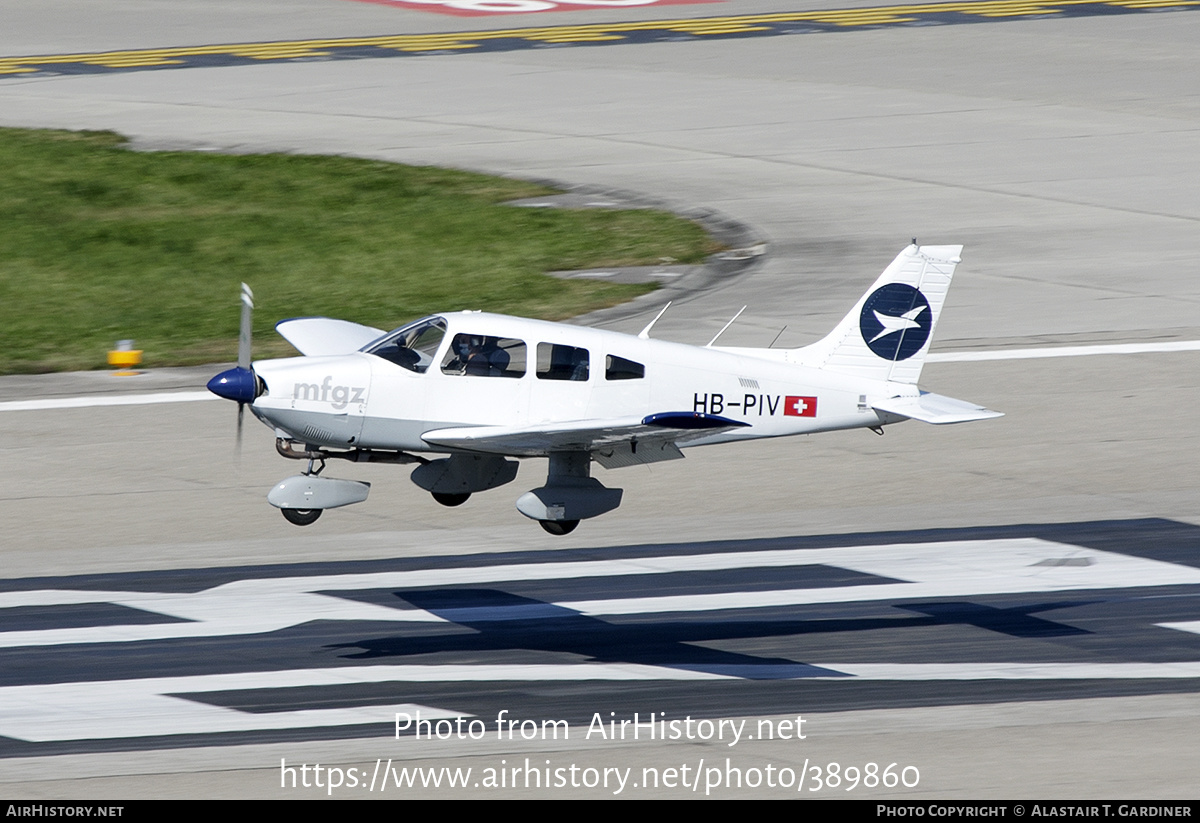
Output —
(800, 406)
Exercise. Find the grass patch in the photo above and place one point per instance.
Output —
(99, 243)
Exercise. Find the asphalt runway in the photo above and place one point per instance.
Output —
(1059, 149)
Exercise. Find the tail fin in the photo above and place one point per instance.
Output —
(886, 335)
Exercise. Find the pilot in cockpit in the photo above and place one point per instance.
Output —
(477, 356)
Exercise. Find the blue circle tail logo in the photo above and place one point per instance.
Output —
(895, 321)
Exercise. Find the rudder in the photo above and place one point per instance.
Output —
(886, 335)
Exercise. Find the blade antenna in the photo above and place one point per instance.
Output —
(644, 334)
(727, 325)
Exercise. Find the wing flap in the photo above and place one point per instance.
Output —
(636, 453)
(934, 408)
(317, 336)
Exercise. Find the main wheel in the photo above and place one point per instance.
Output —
(559, 527)
(451, 499)
(301, 517)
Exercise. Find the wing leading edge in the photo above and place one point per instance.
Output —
(611, 443)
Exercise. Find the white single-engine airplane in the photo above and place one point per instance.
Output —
(482, 388)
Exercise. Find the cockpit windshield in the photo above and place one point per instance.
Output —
(412, 346)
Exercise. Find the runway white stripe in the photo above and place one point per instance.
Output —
(89, 400)
(1016, 671)
(148, 707)
(924, 570)
(932, 570)
(1063, 351)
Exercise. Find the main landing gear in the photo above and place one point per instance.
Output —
(571, 494)
(559, 527)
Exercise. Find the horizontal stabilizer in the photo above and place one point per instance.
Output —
(319, 336)
(934, 408)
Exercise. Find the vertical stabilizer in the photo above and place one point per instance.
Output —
(887, 334)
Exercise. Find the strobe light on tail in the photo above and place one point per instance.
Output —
(461, 394)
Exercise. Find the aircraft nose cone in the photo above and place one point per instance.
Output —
(236, 384)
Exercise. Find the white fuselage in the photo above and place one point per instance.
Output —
(363, 400)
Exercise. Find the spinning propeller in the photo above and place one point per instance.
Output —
(240, 384)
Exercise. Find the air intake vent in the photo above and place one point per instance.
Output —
(317, 434)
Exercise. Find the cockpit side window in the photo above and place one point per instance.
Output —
(557, 362)
(618, 368)
(413, 346)
(479, 355)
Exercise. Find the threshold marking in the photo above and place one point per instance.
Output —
(144, 708)
(152, 707)
(966, 568)
(158, 707)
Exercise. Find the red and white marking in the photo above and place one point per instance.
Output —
(800, 406)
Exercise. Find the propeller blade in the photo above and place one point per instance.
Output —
(243, 360)
(240, 384)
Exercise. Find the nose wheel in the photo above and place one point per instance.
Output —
(559, 527)
(301, 517)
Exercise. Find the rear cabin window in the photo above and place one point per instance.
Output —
(556, 362)
(478, 355)
(618, 368)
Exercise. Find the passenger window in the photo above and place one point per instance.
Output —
(413, 346)
(618, 368)
(481, 356)
(555, 362)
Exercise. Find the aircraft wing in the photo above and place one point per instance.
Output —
(316, 336)
(934, 408)
(612, 443)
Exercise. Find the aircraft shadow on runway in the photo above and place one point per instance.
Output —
(500, 621)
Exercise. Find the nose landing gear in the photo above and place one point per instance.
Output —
(304, 497)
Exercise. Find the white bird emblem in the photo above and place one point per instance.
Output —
(892, 324)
